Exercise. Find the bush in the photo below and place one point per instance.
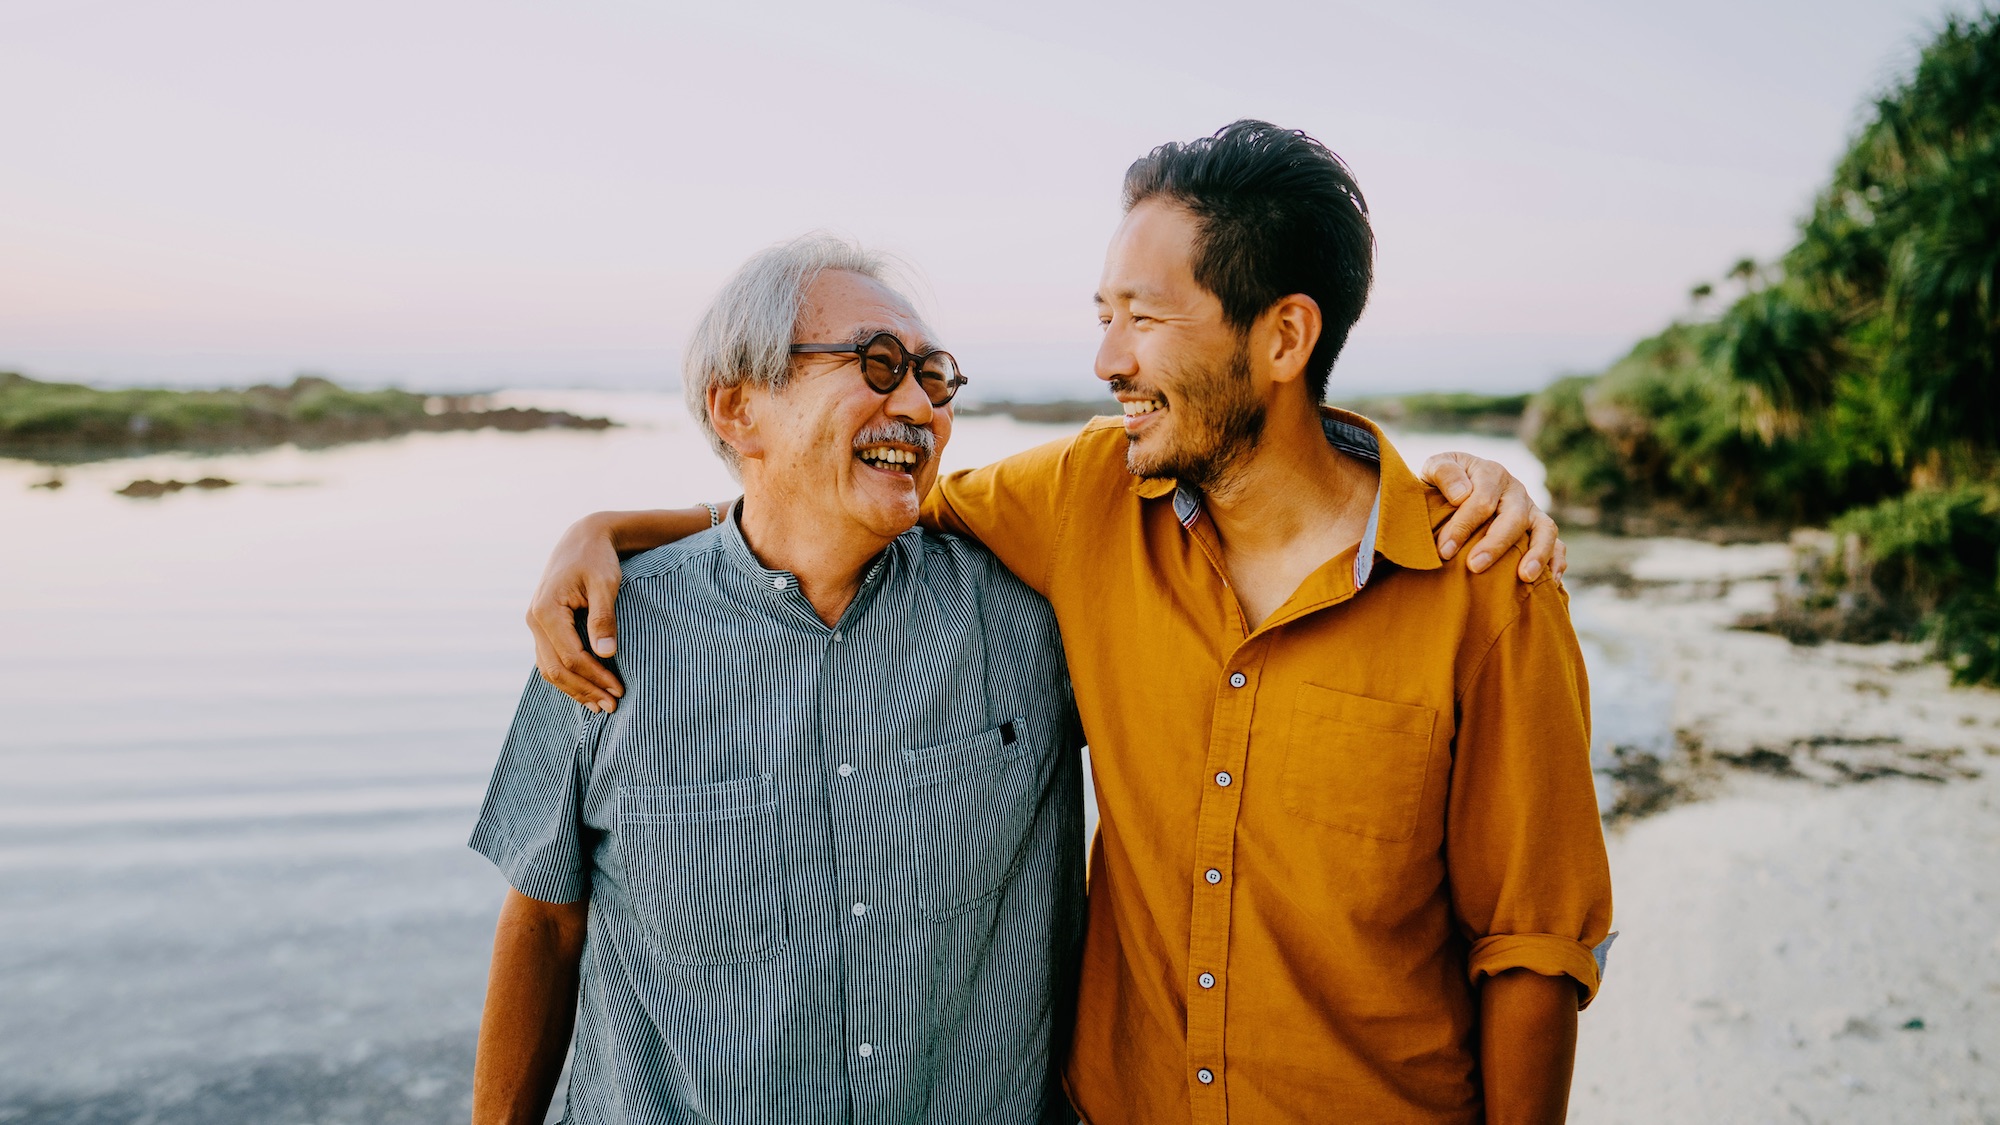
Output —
(1863, 365)
(1937, 553)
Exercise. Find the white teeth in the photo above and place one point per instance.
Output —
(883, 455)
(1134, 409)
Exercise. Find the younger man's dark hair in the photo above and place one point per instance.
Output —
(1277, 213)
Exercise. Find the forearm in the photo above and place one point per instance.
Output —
(1527, 1046)
(530, 1011)
(632, 532)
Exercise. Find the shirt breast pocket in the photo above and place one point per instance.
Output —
(972, 803)
(704, 867)
(1357, 764)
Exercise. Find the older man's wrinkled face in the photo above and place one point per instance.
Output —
(865, 458)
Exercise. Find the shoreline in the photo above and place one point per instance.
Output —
(1806, 903)
(57, 424)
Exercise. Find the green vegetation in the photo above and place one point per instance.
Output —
(1936, 553)
(69, 422)
(1859, 374)
(1445, 412)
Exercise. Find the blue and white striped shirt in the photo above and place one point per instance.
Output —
(835, 874)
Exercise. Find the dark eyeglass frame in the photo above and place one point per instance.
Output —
(939, 389)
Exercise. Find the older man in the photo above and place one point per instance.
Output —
(825, 864)
(1349, 866)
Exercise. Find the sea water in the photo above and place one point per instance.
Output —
(243, 736)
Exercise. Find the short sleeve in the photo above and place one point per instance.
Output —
(1530, 880)
(1013, 507)
(531, 825)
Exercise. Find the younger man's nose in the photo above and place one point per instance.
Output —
(1115, 360)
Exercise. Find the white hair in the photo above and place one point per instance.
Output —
(746, 334)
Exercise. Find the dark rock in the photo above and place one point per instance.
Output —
(151, 489)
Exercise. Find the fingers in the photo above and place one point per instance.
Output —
(1510, 524)
(565, 664)
(551, 668)
(1561, 563)
(1443, 471)
(1541, 551)
(602, 593)
(1484, 481)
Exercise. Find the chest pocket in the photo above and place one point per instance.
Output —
(1357, 764)
(704, 866)
(972, 803)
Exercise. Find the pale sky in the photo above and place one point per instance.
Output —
(449, 193)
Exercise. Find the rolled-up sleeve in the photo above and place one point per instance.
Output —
(531, 824)
(1530, 881)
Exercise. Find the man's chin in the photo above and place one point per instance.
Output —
(1144, 459)
(889, 515)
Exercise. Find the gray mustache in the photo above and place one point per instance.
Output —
(902, 433)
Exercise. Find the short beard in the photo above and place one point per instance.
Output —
(1217, 421)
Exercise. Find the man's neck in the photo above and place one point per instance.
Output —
(1282, 512)
(828, 563)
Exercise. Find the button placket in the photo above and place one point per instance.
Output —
(1215, 846)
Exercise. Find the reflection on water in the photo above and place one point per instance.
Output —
(244, 732)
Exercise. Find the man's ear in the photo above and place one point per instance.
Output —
(1290, 329)
(733, 411)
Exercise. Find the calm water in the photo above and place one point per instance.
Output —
(243, 735)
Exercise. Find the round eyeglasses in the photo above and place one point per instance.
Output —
(885, 361)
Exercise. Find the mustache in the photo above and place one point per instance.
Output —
(901, 433)
(1127, 386)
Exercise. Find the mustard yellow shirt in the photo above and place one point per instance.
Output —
(1317, 835)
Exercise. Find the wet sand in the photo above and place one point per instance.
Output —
(1812, 933)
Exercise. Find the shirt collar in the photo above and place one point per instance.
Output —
(1399, 522)
(738, 551)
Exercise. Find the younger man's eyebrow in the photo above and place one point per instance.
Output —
(1127, 294)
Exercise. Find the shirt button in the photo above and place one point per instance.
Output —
(1223, 779)
(1236, 679)
(778, 583)
(1213, 876)
(837, 637)
(845, 770)
(1208, 980)
(860, 908)
(1206, 1075)
(866, 1050)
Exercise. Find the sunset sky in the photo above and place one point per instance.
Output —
(454, 194)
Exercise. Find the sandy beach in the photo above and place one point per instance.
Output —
(1810, 931)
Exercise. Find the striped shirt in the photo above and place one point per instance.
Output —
(835, 874)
